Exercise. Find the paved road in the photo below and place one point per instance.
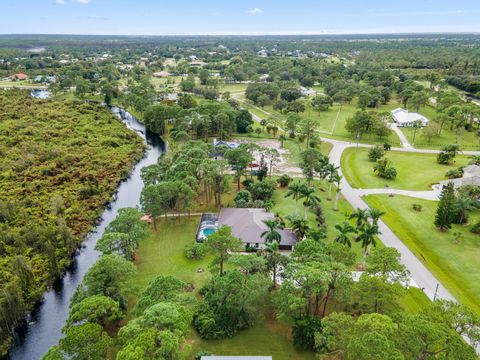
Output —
(419, 272)
(403, 139)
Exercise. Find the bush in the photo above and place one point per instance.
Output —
(455, 173)
(476, 228)
(263, 190)
(444, 158)
(376, 153)
(417, 207)
(387, 146)
(284, 180)
(247, 183)
(195, 251)
(384, 169)
(304, 331)
(243, 196)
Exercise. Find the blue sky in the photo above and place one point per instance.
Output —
(181, 17)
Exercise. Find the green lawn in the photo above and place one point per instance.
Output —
(22, 83)
(232, 87)
(467, 139)
(455, 265)
(332, 122)
(416, 171)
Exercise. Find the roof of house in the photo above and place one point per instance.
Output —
(236, 358)
(471, 176)
(20, 76)
(230, 144)
(247, 224)
(403, 117)
(161, 74)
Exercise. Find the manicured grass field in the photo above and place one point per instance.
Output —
(416, 171)
(467, 139)
(455, 265)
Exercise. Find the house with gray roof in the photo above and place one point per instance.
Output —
(247, 224)
(471, 176)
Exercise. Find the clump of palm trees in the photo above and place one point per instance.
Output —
(300, 191)
(363, 230)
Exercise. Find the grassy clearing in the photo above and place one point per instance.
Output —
(467, 140)
(455, 265)
(416, 171)
(20, 84)
(162, 83)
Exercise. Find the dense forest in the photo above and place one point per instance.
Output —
(60, 162)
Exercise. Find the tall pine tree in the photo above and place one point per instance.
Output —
(446, 208)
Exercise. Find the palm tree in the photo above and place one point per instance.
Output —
(274, 258)
(361, 218)
(344, 229)
(318, 234)
(374, 214)
(367, 237)
(263, 123)
(295, 191)
(337, 179)
(300, 227)
(322, 168)
(308, 193)
(463, 204)
(331, 170)
(271, 235)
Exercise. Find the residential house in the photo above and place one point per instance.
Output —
(404, 118)
(307, 92)
(248, 225)
(161, 74)
(19, 76)
(471, 176)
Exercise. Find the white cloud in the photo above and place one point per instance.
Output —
(81, 1)
(255, 11)
(60, 2)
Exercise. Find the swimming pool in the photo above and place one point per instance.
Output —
(208, 231)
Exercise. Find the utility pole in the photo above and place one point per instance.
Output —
(436, 290)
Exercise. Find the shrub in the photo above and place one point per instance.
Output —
(247, 183)
(455, 173)
(417, 207)
(387, 146)
(263, 190)
(474, 160)
(243, 196)
(384, 169)
(376, 153)
(284, 180)
(476, 228)
(304, 331)
(195, 251)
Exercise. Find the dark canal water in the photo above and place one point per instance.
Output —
(42, 328)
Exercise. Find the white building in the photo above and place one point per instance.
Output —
(307, 92)
(404, 118)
